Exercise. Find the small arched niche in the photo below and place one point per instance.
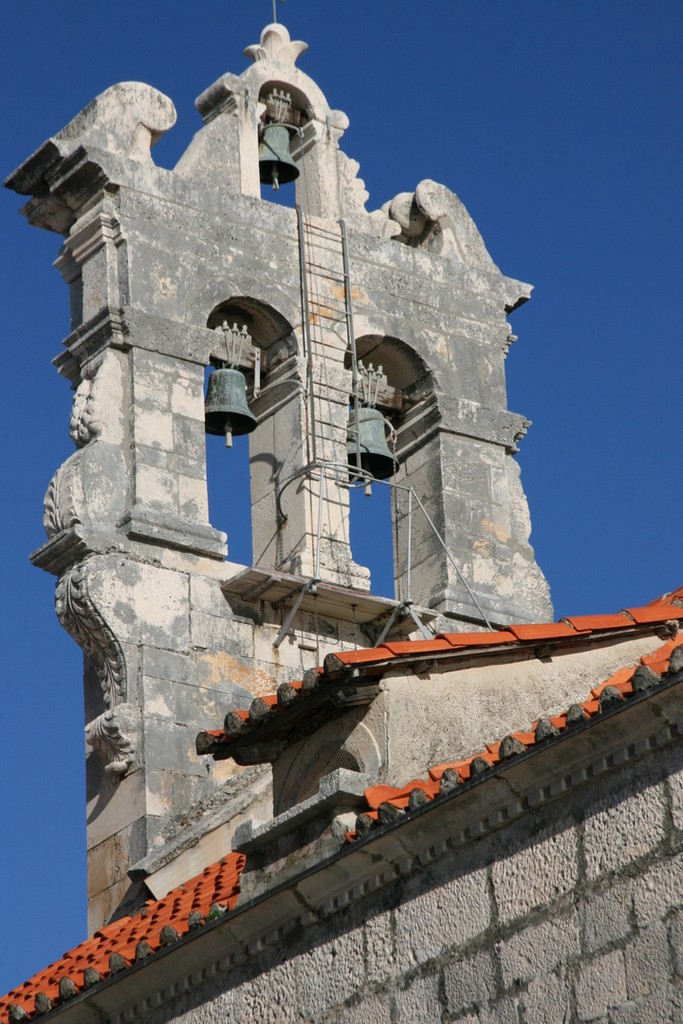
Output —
(266, 342)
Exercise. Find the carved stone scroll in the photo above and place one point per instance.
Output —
(115, 734)
(63, 499)
(82, 620)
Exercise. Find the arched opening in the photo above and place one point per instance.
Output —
(391, 378)
(283, 113)
(255, 340)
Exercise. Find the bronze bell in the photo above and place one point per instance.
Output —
(275, 160)
(375, 456)
(226, 410)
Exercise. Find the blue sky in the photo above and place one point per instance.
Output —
(557, 124)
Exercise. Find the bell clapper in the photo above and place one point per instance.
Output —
(367, 490)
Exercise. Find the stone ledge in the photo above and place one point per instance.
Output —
(341, 790)
(146, 524)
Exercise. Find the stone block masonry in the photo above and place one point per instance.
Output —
(562, 918)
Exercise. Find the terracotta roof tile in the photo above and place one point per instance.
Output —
(501, 636)
(620, 682)
(365, 656)
(371, 662)
(543, 631)
(655, 612)
(419, 646)
(218, 883)
(593, 622)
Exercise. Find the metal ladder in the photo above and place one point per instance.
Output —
(327, 304)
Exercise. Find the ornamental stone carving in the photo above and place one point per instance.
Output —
(84, 425)
(82, 620)
(276, 46)
(64, 499)
(115, 733)
(433, 218)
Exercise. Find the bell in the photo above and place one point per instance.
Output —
(226, 410)
(275, 161)
(375, 456)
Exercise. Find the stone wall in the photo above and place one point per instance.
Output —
(573, 914)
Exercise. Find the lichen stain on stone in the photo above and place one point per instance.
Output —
(167, 288)
(339, 292)
(216, 667)
(497, 529)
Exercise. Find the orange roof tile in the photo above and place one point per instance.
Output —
(371, 661)
(217, 884)
(655, 613)
(593, 622)
(543, 631)
(621, 681)
(501, 636)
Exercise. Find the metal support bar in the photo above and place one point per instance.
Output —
(351, 336)
(319, 533)
(453, 563)
(306, 324)
(309, 588)
(400, 612)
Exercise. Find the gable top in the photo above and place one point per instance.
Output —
(125, 943)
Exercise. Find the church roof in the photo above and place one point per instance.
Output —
(128, 941)
(125, 944)
(349, 678)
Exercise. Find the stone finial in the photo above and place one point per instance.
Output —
(276, 46)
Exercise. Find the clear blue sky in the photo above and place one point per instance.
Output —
(557, 124)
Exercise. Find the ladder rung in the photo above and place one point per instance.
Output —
(313, 229)
(327, 273)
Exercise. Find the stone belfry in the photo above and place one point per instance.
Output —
(326, 310)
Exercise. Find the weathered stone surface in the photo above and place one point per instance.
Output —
(537, 875)
(419, 1002)
(537, 949)
(657, 890)
(328, 975)
(615, 835)
(374, 1008)
(469, 981)
(600, 985)
(606, 917)
(458, 910)
(648, 962)
(547, 999)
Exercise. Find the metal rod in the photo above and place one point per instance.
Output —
(351, 336)
(321, 499)
(448, 556)
(409, 595)
(308, 588)
(306, 329)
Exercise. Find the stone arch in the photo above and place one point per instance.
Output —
(409, 391)
(273, 339)
(405, 369)
(345, 743)
(269, 329)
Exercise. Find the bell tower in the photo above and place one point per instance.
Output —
(355, 349)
